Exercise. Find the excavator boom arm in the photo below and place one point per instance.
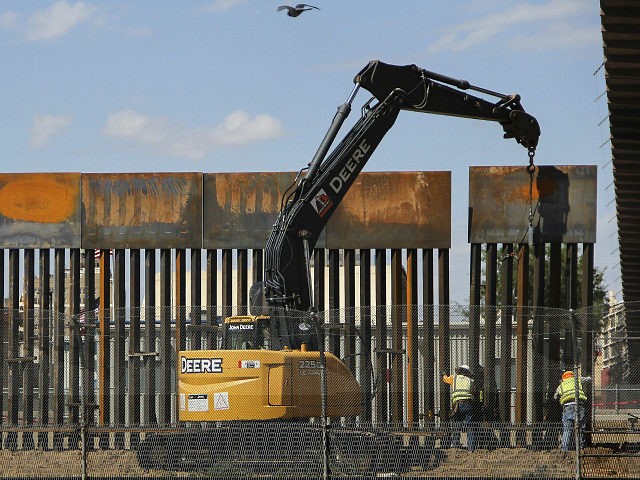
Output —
(428, 92)
(309, 206)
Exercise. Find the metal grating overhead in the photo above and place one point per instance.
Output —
(621, 42)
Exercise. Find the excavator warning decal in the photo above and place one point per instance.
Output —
(322, 203)
(198, 402)
(221, 401)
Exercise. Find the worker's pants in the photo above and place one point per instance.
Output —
(568, 425)
(463, 420)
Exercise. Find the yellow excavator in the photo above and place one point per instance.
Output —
(271, 365)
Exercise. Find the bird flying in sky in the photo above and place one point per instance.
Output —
(297, 10)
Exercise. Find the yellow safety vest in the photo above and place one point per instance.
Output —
(568, 391)
(461, 388)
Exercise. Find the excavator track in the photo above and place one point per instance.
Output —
(275, 450)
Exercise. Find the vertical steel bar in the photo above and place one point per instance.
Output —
(365, 327)
(587, 295)
(166, 363)
(319, 261)
(522, 333)
(134, 336)
(58, 337)
(428, 342)
(587, 327)
(350, 305)
(475, 270)
(382, 402)
(196, 299)
(506, 327)
(319, 270)
(149, 407)
(91, 306)
(257, 263)
(334, 302)
(539, 360)
(44, 341)
(74, 336)
(89, 347)
(397, 355)
(242, 275)
(212, 299)
(180, 301)
(119, 336)
(227, 282)
(571, 280)
(554, 413)
(104, 362)
(180, 315)
(413, 404)
(444, 341)
(13, 346)
(75, 345)
(490, 301)
(28, 333)
(555, 274)
(257, 270)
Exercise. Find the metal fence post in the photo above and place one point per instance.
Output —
(576, 382)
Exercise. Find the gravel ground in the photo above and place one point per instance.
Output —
(514, 463)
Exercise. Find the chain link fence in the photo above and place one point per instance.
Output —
(90, 397)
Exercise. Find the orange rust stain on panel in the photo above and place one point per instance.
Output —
(251, 201)
(38, 200)
(269, 202)
(251, 193)
(520, 194)
(154, 201)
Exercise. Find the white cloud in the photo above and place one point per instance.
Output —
(8, 20)
(557, 36)
(237, 129)
(483, 29)
(57, 20)
(47, 126)
(223, 5)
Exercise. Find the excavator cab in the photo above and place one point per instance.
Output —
(246, 332)
(258, 332)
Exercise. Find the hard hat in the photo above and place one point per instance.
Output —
(463, 370)
(567, 374)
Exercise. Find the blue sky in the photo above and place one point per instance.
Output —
(235, 86)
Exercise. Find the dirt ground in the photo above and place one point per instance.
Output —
(514, 463)
(524, 463)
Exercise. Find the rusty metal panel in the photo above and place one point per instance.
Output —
(240, 208)
(382, 210)
(563, 199)
(40, 210)
(394, 210)
(142, 210)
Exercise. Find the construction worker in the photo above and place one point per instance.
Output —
(566, 394)
(463, 401)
